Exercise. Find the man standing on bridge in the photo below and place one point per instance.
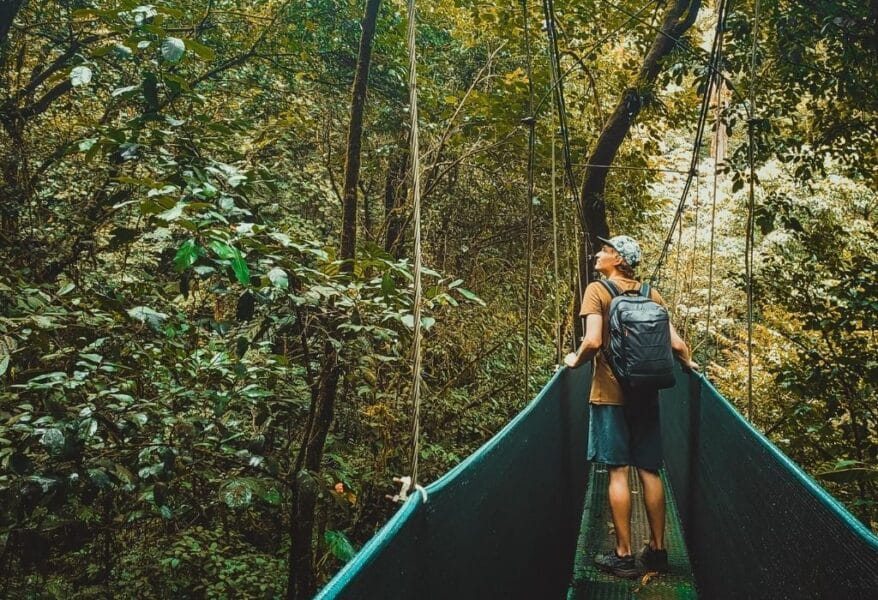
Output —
(623, 429)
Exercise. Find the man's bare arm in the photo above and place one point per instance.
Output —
(591, 343)
(682, 350)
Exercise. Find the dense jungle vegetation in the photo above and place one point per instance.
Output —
(206, 279)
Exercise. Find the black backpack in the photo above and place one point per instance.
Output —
(639, 349)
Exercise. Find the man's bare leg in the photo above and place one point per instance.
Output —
(654, 499)
(620, 507)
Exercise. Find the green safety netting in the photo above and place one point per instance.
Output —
(504, 523)
(756, 525)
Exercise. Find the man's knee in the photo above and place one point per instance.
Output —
(617, 471)
(648, 473)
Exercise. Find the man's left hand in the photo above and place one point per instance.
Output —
(692, 366)
(572, 360)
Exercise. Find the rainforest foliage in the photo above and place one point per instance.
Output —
(204, 392)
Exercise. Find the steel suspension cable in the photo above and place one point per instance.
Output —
(692, 256)
(677, 44)
(557, 280)
(531, 140)
(557, 91)
(751, 212)
(699, 135)
(713, 194)
(595, 45)
(416, 201)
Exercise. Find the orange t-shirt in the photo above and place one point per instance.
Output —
(605, 389)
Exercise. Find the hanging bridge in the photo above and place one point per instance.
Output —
(523, 516)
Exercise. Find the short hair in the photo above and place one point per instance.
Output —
(626, 269)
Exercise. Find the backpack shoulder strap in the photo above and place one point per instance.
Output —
(611, 287)
(645, 290)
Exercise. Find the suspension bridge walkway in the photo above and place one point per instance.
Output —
(523, 516)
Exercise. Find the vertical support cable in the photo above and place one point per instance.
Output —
(556, 280)
(719, 112)
(693, 260)
(416, 201)
(531, 139)
(570, 178)
(751, 210)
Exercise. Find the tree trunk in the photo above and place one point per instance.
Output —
(8, 11)
(301, 580)
(355, 135)
(395, 192)
(677, 20)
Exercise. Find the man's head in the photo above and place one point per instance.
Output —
(620, 253)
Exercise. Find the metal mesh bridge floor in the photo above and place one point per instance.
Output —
(596, 536)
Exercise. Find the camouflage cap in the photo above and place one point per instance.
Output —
(627, 248)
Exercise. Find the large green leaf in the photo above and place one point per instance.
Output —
(200, 50)
(850, 475)
(339, 545)
(173, 49)
(242, 271)
(80, 76)
(239, 265)
(278, 278)
(147, 315)
(237, 493)
(187, 254)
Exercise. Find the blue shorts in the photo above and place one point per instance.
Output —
(622, 435)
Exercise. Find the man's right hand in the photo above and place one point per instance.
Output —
(572, 360)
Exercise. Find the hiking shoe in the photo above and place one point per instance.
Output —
(654, 560)
(620, 566)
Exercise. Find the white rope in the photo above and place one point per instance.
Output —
(405, 484)
(416, 201)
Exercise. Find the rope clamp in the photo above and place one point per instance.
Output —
(405, 486)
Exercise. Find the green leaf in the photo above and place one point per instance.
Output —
(172, 213)
(222, 250)
(173, 49)
(237, 493)
(242, 271)
(339, 545)
(122, 51)
(53, 440)
(272, 496)
(470, 296)
(239, 265)
(118, 92)
(278, 278)
(387, 284)
(80, 76)
(200, 50)
(850, 475)
(187, 254)
(144, 314)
